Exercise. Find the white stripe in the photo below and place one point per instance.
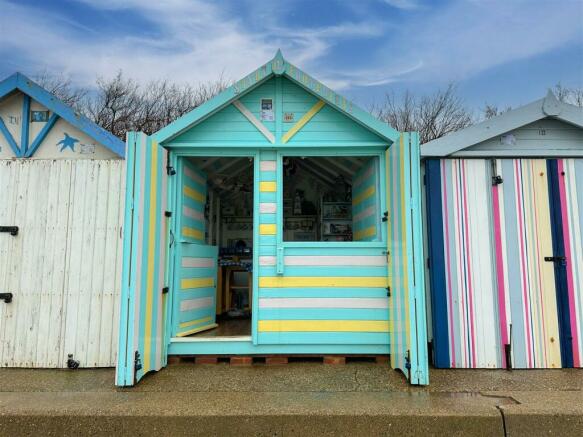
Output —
(266, 260)
(313, 302)
(249, 116)
(364, 214)
(267, 208)
(193, 175)
(341, 260)
(267, 165)
(198, 262)
(192, 304)
(192, 213)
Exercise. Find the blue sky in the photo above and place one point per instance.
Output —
(506, 52)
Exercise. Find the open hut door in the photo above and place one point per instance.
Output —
(408, 339)
(141, 332)
(196, 279)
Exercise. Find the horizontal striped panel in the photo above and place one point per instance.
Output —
(323, 303)
(192, 233)
(290, 281)
(193, 194)
(324, 292)
(324, 314)
(370, 191)
(197, 262)
(192, 174)
(197, 283)
(324, 326)
(268, 208)
(327, 271)
(324, 338)
(267, 229)
(267, 187)
(191, 304)
(268, 165)
(192, 213)
(338, 260)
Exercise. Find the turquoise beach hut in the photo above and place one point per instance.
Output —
(278, 218)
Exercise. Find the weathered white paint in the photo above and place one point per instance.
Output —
(193, 304)
(267, 208)
(197, 262)
(268, 165)
(64, 267)
(85, 148)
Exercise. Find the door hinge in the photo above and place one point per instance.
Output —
(6, 297)
(167, 213)
(428, 263)
(389, 291)
(165, 290)
(497, 180)
(408, 360)
(137, 361)
(385, 216)
(12, 230)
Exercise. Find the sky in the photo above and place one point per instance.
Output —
(503, 52)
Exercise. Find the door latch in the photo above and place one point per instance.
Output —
(12, 230)
(6, 297)
(556, 259)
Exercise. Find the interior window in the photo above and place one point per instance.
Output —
(332, 198)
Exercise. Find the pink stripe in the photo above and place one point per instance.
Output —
(500, 271)
(448, 260)
(567, 242)
(520, 214)
(469, 263)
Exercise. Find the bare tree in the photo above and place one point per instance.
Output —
(490, 111)
(433, 116)
(573, 96)
(62, 87)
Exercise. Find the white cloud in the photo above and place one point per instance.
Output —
(403, 4)
(189, 40)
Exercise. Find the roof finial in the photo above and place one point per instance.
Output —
(278, 63)
(551, 105)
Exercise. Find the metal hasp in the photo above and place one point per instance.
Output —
(12, 230)
(6, 297)
(556, 259)
(72, 363)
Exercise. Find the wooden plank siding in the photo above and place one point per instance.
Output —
(64, 267)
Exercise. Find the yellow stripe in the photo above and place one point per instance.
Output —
(193, 194)
(324, 326)
(302, 121)
(364, 195)
(267, 229)
(368, 232)
(267, 187)
(191, 232)
(197, 283)
(151, 255)
(319, 281)
(196, 322)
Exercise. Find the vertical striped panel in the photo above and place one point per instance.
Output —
(408, 336)
(64, 266)
(570, 188)
(529, 281)
(195, 298)
(194, 192)
(141, 330)
(365, 214)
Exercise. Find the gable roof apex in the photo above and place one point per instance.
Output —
(549, 106)
(20, 82)
(277, 66)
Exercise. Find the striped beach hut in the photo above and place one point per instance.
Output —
(278, 218)
(504, 203)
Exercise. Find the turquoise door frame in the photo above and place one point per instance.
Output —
(175, 159)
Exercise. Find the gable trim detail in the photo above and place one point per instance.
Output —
(303, 121)
(253, 120)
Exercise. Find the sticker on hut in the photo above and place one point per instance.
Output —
(87, 149)
(267, 110)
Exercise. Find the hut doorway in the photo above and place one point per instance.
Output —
(214, 263)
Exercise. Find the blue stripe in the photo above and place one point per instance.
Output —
(441, 358)
(562, 294)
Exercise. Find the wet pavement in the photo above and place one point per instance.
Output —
(292, 399)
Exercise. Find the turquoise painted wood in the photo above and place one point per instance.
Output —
(141, 331)
(405, 245)
(308, 297)
(195, 293)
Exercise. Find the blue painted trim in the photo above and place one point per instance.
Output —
(562, 293)
(246, 347)
(25, 125)
(42, 135)
(441, 358)
(19, 81)
(9, 138)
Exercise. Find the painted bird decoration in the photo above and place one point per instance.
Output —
(68, 142)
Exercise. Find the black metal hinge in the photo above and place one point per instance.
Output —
(385, 216)
(167, 213)
(497, 180)
(6, 297)
(12, 230)
(137, 361)
(165, 290)
(408, 360)
(389, 291)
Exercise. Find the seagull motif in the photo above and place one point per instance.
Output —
(68, 141)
